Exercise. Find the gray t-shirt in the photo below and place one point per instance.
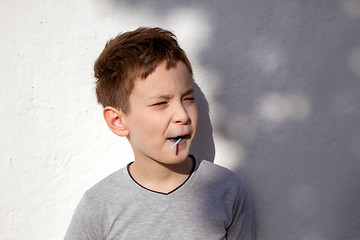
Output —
(211, 204)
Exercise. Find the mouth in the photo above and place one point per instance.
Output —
(174, 139)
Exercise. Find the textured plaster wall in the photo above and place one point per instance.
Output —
(281, 78)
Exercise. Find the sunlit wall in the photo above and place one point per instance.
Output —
(279, 94)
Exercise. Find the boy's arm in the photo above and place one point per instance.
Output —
(83, 224)
(242, 226)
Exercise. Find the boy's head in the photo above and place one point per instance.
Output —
(130, 56)
(146, 86)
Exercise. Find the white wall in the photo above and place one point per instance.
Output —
(281, 78)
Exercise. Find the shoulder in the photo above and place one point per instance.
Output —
(221, 187)
(100, 205)
(215, 170)
(107, 188)
(219, 176)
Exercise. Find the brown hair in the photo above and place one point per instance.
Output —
(130, 56)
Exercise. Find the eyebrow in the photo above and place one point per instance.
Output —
(167, 96)
(161, 97)
(190, 91)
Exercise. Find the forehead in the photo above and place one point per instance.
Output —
(162, 81)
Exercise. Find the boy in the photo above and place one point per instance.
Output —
(144, 82)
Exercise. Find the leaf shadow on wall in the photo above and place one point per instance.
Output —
(287, 88)
(203, 147)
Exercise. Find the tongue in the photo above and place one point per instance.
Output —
(174, 139)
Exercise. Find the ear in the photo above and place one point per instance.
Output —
(114, 118)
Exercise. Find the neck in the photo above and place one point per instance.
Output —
(161, 177)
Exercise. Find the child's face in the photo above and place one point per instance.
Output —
(162, 108)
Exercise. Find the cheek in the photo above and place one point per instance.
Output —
(193, 115)
(147, 127)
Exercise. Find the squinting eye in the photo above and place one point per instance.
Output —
(189, 99)
(160, 103)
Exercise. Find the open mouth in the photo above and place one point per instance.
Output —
(174, 139)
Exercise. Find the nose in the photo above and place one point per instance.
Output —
(180, 114)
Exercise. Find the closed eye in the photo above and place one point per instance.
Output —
(159, 103)
(189, 99)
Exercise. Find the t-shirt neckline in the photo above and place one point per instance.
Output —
(177, 191)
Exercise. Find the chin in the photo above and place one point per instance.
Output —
(180, 158)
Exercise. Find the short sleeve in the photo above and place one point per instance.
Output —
(83, 225)
(241, 227)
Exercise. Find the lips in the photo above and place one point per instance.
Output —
(174, 139)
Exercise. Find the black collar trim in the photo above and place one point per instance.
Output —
(192, 170)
